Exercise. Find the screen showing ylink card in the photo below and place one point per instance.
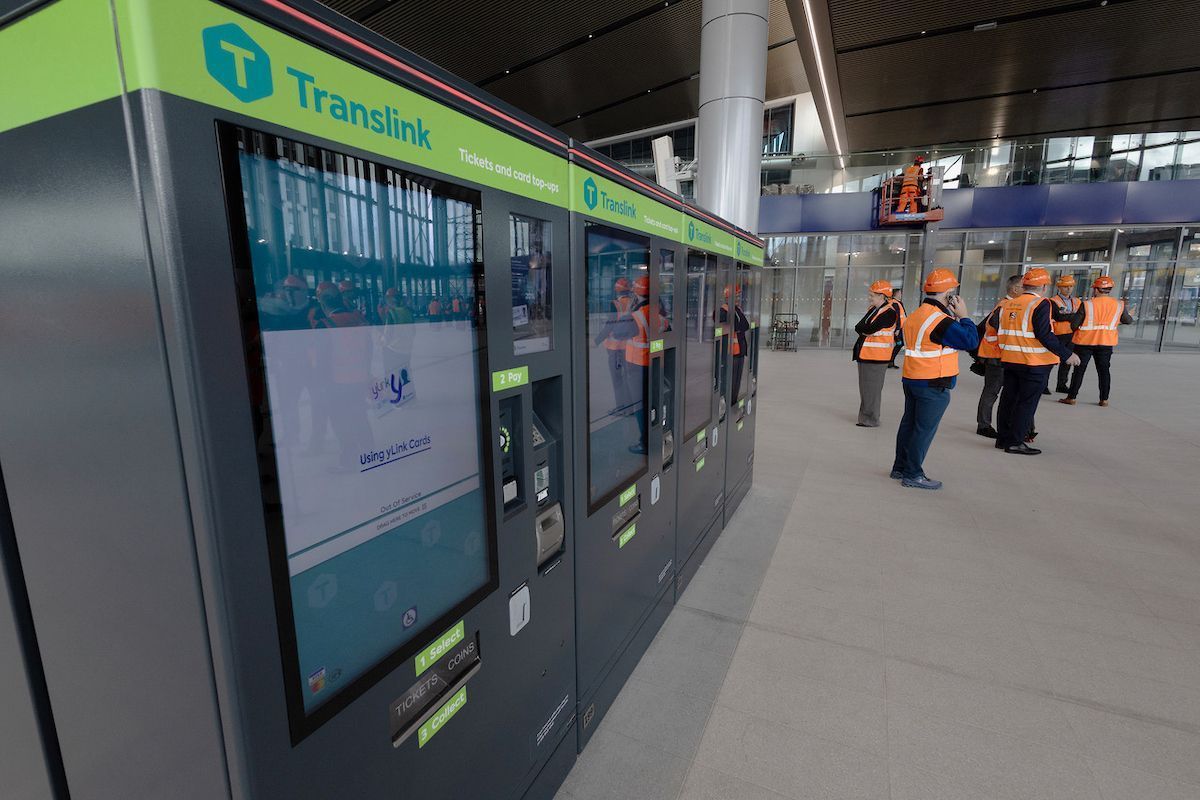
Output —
(364, 291)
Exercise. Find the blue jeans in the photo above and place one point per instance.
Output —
(923, 410)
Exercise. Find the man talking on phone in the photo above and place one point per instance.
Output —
(933, 334)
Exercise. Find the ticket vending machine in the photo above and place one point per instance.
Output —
(627, 239)
(741, 312)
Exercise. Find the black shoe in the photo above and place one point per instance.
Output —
(1030, 437)
(986, 431)
(1062, 389)
(1046, 391)
(1022, 450)
(892, 366)
(998, 445)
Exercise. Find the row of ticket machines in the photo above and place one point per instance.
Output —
(360, 432)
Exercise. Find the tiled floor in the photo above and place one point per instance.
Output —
(1031, 631)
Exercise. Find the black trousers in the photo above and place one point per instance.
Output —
(1019, 401)
(1103, 356)
(1064, 372)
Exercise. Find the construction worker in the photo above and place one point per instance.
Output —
(910, 187)
(933, 334)
(613, 333)
(434, 309)
(873, 351)
(738, 346)
(993, 371)
(899, 301)
(1095, 337)
(1028, 351)
(637, 358)
(1066, 304)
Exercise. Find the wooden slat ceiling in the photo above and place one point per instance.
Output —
(918, 73)
(637, 70)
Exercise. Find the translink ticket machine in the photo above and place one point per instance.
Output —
(358, 427)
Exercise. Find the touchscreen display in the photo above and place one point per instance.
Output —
(367, 386)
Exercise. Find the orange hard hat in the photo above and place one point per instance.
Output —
(642, 286)
(1103, 282)
(940, 280)
(882, 287)
(295, 282)
(622, 285)
(1036, 277)
(1065, 280)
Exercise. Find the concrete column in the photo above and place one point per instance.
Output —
(733, 74)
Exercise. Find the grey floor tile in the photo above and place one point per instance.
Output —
(778, 611)
(1124, 694)
(668, 719)
(1169, 665)
(1118, 782)
(1157, 749)
(703, 783)
(1006, 663)
(810, 587)
(1096, 619)
(794, 764)
(849, 667)
(913, 783)
(991, 763)
(980, 619)
(1025, 715)
(1172, 607)
(616, 767)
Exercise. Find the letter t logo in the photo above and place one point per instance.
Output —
(241, 56)
(237, 62)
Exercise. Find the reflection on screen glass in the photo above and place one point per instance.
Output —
(698, 359)
(732, 317)
(529, 257)
(666, 289)
(618, 356)
(360, 297)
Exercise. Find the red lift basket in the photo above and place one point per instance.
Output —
(888, 194)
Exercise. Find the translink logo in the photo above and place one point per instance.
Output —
(591, 195)
(237, 62)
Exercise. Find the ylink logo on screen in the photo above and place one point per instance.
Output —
(697, 235)
(593, 196)
(243, 67)
(237, 62)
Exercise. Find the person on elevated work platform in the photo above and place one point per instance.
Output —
(993, 370)
(873, 351)
(1066, 305)
(1096, 336)
(910, 187)
(1029, 350)
(933, 334)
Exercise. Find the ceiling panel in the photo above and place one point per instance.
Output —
(351, 8)
(594, 75)
(859, 22)
(1163, 103)
(779, 23)
(678, 102)
(1087, 46)
(785, 72)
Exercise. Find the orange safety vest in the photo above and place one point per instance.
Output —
(1069, 306)
(1018, 344)
(923, 358)
(435, 308)
(637, 347)
(1101, 316)
(912, 175)
(456, 305)
(989, 346)
(622, 303)
(878, 346)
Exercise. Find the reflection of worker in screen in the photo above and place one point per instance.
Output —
(397, 340)
(287, 308)
(637, 358)
(613, 333)
(350, 362)
(738, 344)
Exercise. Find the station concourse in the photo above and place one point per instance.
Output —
(688, 400)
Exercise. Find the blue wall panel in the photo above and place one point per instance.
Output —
(1140, 203)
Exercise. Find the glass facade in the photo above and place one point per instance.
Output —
(823, 279)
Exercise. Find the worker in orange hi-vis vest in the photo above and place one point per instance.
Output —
(637, 358)
(873, 351)
(1029, 350)
(616, 329)
(933, 334)
(910, 187)
(739, 346)
(993, 370)
(1066, 305)
(1096, 336)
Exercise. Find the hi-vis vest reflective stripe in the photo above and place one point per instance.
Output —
(912, 175)
(878, 346)
(924, 360)
(989, 346)
(1070, 306)
(637, 348)
(622, 304)
(1018, 344)
(1101, 316)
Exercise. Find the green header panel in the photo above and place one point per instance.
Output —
(606, 200)
(703, 236)
(207, 53)
(58, 59)
(749, 254)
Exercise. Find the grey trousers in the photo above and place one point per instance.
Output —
(993, 379)
(870, 391)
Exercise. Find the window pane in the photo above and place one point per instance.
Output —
(532, 303)
(701, 316)
(618, 355)
(371, 415)
(666, 289)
